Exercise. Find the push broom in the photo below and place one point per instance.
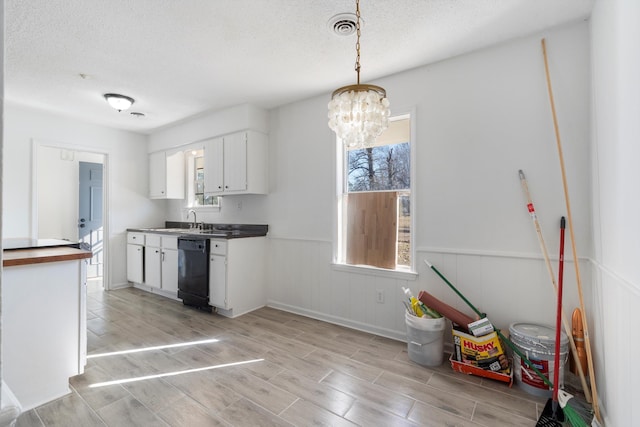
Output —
(570, 414)
(587, 340)
(551, 416)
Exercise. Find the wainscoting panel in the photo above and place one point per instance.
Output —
(507, 287)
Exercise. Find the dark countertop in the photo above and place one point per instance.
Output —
(220, 231)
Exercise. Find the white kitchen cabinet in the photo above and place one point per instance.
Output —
(161, 263)
(218, 274)
(237, 275)
(214, 165)
(218, 281)
(166, 175)
(153, 261)
(135, 257)
(236, 164)
(169, 261)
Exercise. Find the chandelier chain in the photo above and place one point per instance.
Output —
(358, 39)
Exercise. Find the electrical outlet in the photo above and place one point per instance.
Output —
(239, 206)
(380, 296)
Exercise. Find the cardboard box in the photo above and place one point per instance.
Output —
(504, 376)
(485, 352)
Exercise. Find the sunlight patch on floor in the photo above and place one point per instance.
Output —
(172, 374)
(157, 347)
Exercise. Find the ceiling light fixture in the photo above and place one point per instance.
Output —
(359, 113)
(119, 102)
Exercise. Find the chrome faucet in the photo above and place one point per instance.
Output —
(195, 221)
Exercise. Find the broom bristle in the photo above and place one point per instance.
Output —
(570, 414)
(575, 420)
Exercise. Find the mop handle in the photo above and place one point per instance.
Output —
(454, 289)
(500, 334)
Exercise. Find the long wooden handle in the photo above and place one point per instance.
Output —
(547, 260)
(587, 341)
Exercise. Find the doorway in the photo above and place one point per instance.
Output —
(70, 204)
(90, 230)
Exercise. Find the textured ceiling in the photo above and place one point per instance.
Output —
(180, 58)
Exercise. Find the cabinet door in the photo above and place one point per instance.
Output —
(235, 162)
(170, 270)
(152, 267)
(218, 281)
(213, 165)
(174, 180)
(135, 263)
(157, 175)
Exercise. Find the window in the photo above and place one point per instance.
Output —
(375, 203)
(195, 182)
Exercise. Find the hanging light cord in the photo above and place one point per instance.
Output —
(358, 39)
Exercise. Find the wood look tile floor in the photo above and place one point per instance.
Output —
(266, 368)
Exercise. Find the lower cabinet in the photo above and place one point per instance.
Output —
(161, 263)
(237, 283)
(135, 263)
(135, 257)
(170, 269)
(237, 275)
(218, 274)
(152, 261)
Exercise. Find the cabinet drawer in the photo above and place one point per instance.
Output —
(135, 238)
(169, 242)
(152, 240)
(218, 247)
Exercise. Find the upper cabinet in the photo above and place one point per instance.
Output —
(236, 164)
(166, 175)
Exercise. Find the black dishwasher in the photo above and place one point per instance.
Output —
(193, 272)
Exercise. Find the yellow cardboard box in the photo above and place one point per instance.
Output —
(485, 352)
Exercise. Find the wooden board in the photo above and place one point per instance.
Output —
(372, 229)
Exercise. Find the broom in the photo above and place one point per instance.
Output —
(576, 261)
(570, 414)
(545, 254)
(550, 416)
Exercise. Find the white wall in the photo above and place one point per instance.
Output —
(616, 130)
(57, 211)
(479, 119)
(126, 165)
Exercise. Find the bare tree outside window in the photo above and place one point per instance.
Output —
(386, 168)
(382, 168)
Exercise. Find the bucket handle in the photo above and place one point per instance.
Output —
(421, 344)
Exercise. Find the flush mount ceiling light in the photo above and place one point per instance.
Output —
(359, 113)
(119, 102)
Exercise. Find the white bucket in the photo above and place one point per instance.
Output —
(537, 343)
(425, 338)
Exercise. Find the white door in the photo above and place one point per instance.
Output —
(90, 229)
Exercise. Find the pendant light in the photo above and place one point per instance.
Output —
(359, 113)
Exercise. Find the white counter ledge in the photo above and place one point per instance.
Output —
(43, 318)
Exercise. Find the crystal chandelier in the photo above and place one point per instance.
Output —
(358, 113)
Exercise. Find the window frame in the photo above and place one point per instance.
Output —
(339, 246)
(190, 170)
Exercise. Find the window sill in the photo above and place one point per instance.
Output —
(404, 274)
(203, 208)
